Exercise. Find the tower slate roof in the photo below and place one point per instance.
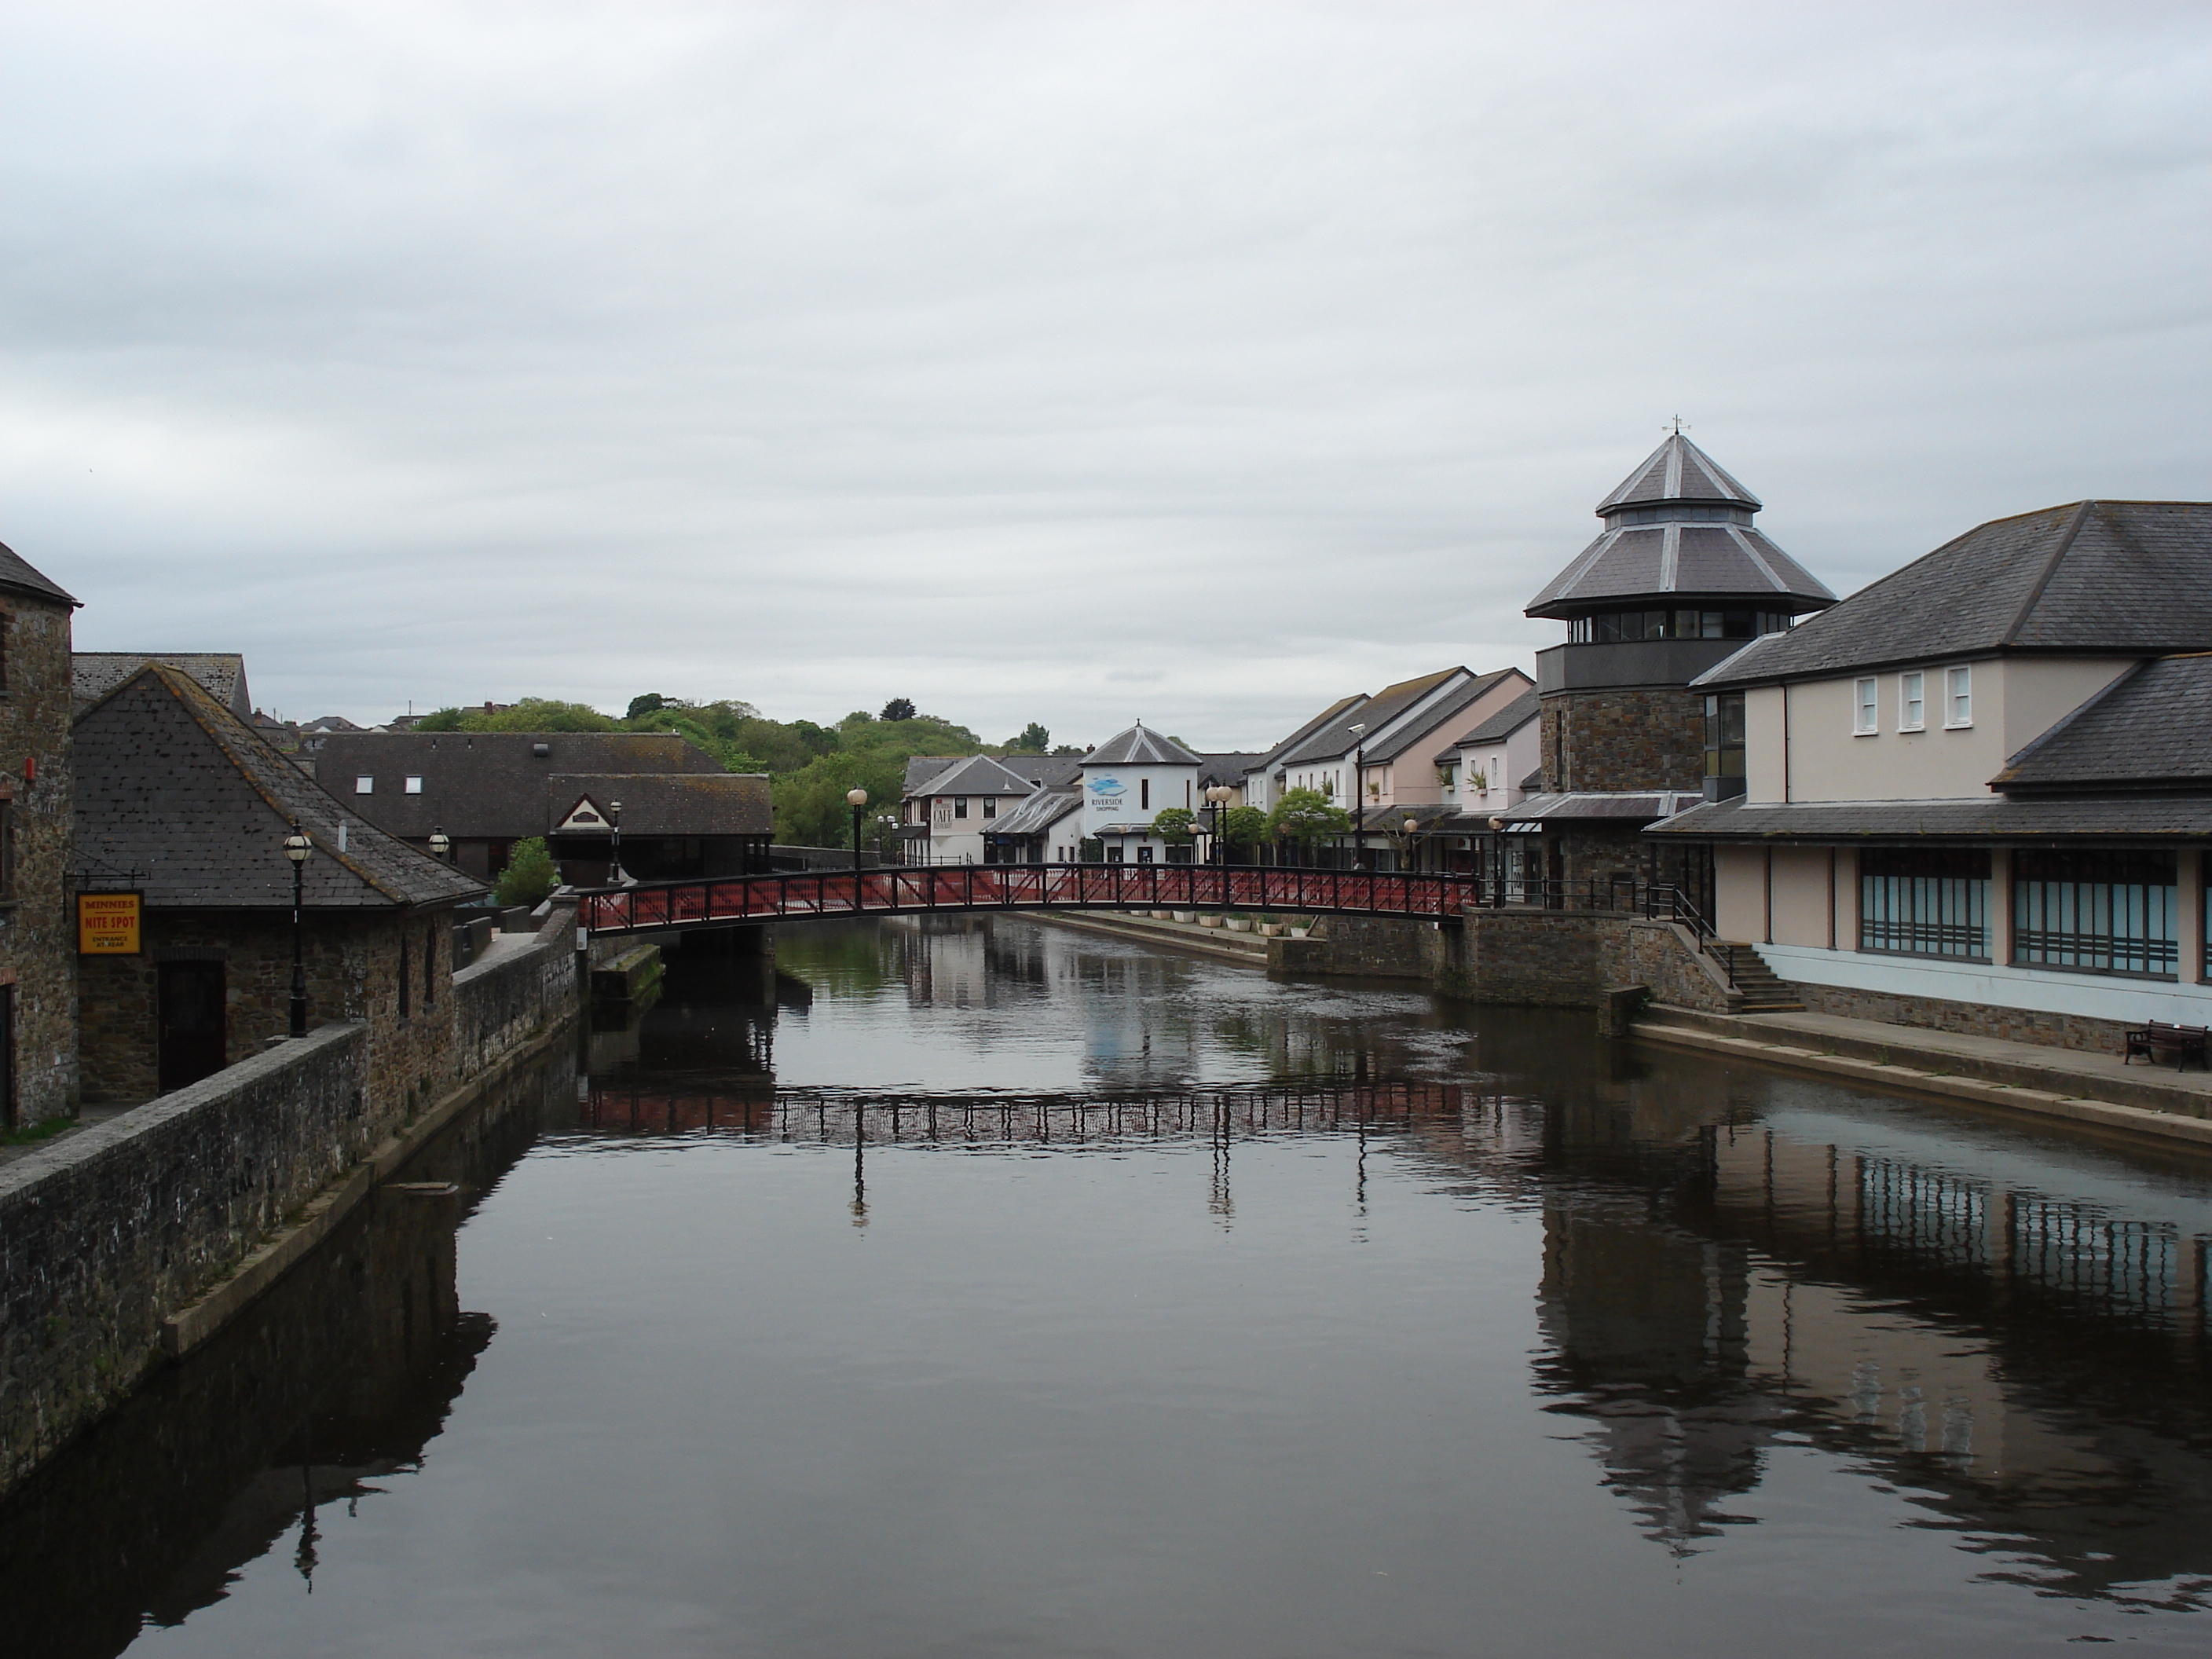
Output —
(2089, 578)
(18, 576)
(172, 786)
(1678, 529)
(1138, 747)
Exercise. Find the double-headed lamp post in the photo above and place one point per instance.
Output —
(857, 800)
(1218, 799)
(1359, 796)
(296, 848)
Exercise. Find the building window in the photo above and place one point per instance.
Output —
(414, 785)
(1144, 794)
(960, 806)
(1911, 703)
(1628, 627)
(990, 806)
(1144, 854)
(1958, 697)
(1724, 735)
(1114, 853)
(1925, 902)
(2108, 913)
(364, 786)
(1448, 779)
(1865, 708)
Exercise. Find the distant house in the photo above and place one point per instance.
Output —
(38, 943)
(949, 811)
(179, 800)
(1483, 771)
(680, 814)
(222, 674)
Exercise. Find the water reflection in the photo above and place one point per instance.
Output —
(1177, 1278)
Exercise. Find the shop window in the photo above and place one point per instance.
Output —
(1925, 902)
(2105, 913)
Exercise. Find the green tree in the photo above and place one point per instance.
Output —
(1243, 826)
(644, 705)
(1305, 817)
(898, 708)
(530, 875)
(1069, 749)
(1034, 741)
(531, 714)
(1172, 824)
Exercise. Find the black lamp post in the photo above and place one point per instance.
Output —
(1359, 797)
(296, 848)
(1217, 800)
(857, 800)
(441, 844)
(1412, 827)
(615, 877)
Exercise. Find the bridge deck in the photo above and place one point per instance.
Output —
(901, 891)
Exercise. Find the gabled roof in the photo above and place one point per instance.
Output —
(94, 674)
(2150, 729)
(1274, 757)
(1398, 719)
(18, 576)
(1499, 726)
(920, 768)
(669, 803)
(1678, 471)
(1228, 768)
(1037, 815)
(976, 775)
(487, 785)
(170, 784)
(1335, 739)
(1411, 725)
(1138, 747)
(2090, 578)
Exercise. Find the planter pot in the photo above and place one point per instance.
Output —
(1211, 921)
(1161, 915)
(1182, 916)
(1239, 925)
(1271, 930)
(1300, 933)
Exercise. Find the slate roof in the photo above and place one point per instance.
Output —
(1230, 768)
(1622, 806)
(1138, 747)
(975, 774)
(1298, 739)
(18, 576)
(1498, 727)
(667, 803)
(487, 785)
(920, 768)
(170, 783)
(2090, 578)
(1037, 815)
(1921, 821)
(94, 674)
(1328, 740)
(1678, 471)
(2150, 729)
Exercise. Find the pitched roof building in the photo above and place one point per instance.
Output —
(94, 674)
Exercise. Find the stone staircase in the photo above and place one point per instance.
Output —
(1758, 989)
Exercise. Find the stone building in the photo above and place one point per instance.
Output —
(1679, 579)
(181, 800)
(38, 942)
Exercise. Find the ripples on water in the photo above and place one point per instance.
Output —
(993, 1288)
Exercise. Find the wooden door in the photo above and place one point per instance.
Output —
(191, 1022)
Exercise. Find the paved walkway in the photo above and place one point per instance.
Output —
(2078, 1085)
(1219, 942)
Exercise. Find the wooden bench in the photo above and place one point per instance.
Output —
(2156, 1041)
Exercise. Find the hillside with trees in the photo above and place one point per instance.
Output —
(810, 767)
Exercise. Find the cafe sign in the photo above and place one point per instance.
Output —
(107, 924)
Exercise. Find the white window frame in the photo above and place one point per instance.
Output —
(1866, 706)
(1912, 700)
(1958, 690)
(364, 785)
(414, 785)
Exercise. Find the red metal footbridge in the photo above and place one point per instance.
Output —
(653, 907)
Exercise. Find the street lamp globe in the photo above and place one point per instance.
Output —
(440, 843)
(856, 798)
(1411, 824)
(297, 846)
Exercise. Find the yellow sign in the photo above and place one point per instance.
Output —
(107, 924)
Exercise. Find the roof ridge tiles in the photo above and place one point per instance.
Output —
(2050, 568)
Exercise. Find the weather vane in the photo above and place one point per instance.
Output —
(1677, 427)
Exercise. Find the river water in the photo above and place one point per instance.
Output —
(984, 1288)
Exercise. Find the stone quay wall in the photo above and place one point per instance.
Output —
(1532, 958)
(103, 1234)
(2076, 1032)
(38, 925)
(107, 1232)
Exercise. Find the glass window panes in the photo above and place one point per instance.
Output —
(1925, 902)
(1724, 735)
(1865, 712)
(2112, 913)
(1959, 697)
(1911, 702)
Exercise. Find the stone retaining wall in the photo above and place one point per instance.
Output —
(104, 1233)
(2076, 1032)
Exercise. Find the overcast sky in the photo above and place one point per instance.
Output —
(1069, 362)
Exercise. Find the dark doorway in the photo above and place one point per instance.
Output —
(191, 1021)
